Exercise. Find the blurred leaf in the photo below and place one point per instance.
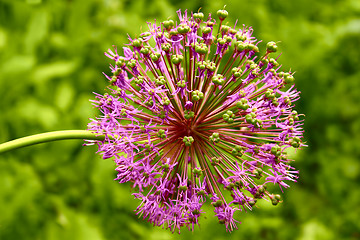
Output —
(64, 95)
(18, 64)
(37, 29)
(3, 38)
(57, 69)
(33, 110)
(314, 230)
(33, 1)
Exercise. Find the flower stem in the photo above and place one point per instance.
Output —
(48, 137)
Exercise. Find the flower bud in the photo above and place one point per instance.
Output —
(271, 47)
(136, 43)
(218, 79)
(198, 16)
(168, 24)
(176, 59)
(222, 14)
(188, 141)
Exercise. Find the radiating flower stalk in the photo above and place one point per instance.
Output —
(197, 112)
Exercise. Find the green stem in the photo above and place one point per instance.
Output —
(48, 137)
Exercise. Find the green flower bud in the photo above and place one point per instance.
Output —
(222, 14)
(165, 167)
(198, 15)
(240, 37)
(131, 63)
(123, 112)
(229, 116)
(270, 94)
(149, 103)
(202, 65)
(211, 66)
(155, 56)
(201, 193)
(188, 141)
(288, 79)
(166, 101)
(237, 151)
(136, 43)
(197, 95)
(253, 66)
(271, 47)
(120, 62)
(274, 62)
(258, 123)
(181, 83)
(221, 41)
(188, 114)
(257, 173)
(215, 138)
(291, 121)
(161, 134)
(224, 28)
(276, 150)
(145, 50)
(228, 39)
(206, 30)
(160, 81)
(183, 29)
(139, 80)
(166, 47)
(113, 79)
(162, 114)
(197, 172)
(261, 189)
(287, 100)
(214, 161)
(232, 31)
(248, 118)
(168, 24)
(218, 203)
(218, 79)
(252, 202)
(201, 48)
(173, 32)
(250, 62)
(251, 47)
(236, 72)
(295, 142)
(118, 71)
(176, 59)
(274, 202)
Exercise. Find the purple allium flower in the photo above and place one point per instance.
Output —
(196, 111)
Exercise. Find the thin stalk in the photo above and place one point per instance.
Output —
(49, 137)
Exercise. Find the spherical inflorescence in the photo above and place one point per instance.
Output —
(195, 112)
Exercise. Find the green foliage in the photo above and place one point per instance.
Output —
(51, 59)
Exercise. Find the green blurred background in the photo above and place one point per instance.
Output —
(51, 59)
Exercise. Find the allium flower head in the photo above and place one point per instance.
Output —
(195, 112)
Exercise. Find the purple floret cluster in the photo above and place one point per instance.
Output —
(196, 112)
